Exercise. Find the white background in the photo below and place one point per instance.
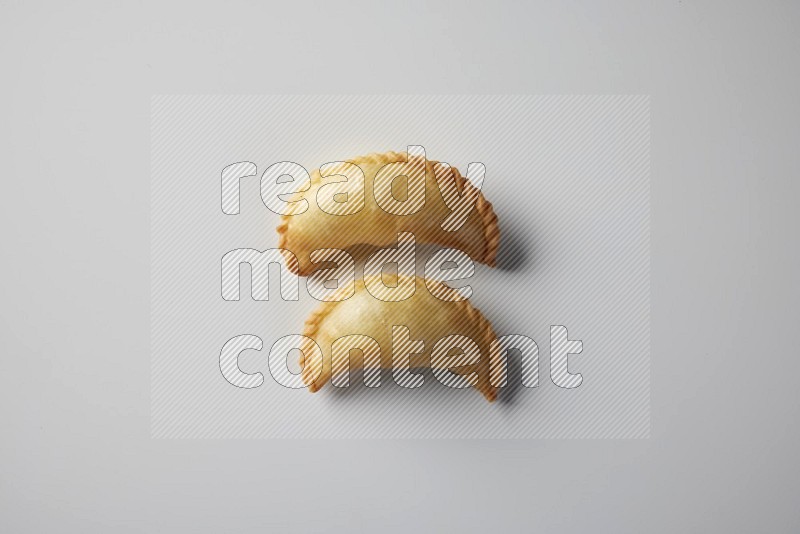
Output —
(76, 453)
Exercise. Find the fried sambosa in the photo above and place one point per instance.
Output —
(363, 332)
(363, 201)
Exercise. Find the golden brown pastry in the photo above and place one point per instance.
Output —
(343, 212)
(413, 333)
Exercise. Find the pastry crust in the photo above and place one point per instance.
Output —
(302, 233)
(428, 319)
